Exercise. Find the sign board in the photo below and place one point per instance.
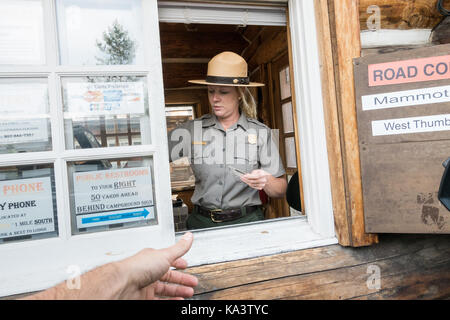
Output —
(26, 207)
(23, 100)
(113, 196)
(403, 114)
(104, 98)
(22, 131)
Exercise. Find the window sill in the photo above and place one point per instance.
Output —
(253, 240)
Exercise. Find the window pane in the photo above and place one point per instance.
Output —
(111, 194)
(21, 32)
(24, 116)
(285, 83)
(109, 105)
(181, 174)
(136, 140)
(291, 157)
(27, 203)
(177, 115)
(97, 32)
(288, 122)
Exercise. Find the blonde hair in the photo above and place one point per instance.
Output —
(247, 103)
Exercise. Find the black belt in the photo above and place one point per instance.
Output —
(219, 215)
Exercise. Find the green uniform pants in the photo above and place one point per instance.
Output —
(198, 221)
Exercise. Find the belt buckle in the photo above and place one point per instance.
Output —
(211, 215)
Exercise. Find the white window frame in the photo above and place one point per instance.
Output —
(287, 234)
(38, 264)
(49, 258)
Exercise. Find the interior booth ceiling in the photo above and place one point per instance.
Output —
(192, 33)
(194, 12)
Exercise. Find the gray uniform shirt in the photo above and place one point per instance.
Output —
(214, 155)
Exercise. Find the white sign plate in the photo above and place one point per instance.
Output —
(105, 98)
(113, 196)
(26, 207)
(406, 98)
(439, 122)
(22, 131)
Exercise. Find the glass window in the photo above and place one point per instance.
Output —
(98, 32)
(24, 116)
(176, 115)
(21, 32)
(103, 111)
(288, 122)
(285, 83)
(291, 157)
(111, 194)
(181, 174)
(27, 203)
(136, 140)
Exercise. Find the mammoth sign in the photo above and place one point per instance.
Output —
(403, 114)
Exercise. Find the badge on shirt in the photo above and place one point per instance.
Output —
(252, 138)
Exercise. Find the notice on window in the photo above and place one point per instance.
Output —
(26, 207)
(23, 131)
(24, 100)
(104, 98)
(113, 196)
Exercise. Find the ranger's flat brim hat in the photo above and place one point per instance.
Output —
(228, 69)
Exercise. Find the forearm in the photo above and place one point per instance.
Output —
(275, 187)
(100, 283)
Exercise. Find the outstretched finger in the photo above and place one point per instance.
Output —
(177, 277)
(180, 248)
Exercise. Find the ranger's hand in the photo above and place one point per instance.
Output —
(257, 179)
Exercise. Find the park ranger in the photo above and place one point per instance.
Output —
(233, 156)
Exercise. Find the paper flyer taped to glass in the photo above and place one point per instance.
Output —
(104, 98)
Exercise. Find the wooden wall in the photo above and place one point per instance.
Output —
(403, 14)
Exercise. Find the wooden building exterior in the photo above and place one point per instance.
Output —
(326, 249)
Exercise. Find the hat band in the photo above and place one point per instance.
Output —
(228, 80)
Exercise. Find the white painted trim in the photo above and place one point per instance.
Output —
(392, 37)
(24, 268)
(310, 118)
(253, 240)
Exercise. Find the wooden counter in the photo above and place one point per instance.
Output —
(410, 267)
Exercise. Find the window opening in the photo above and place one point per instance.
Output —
(186, 50)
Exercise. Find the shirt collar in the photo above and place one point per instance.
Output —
(212, 120)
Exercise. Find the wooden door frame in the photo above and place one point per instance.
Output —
(339, 42)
